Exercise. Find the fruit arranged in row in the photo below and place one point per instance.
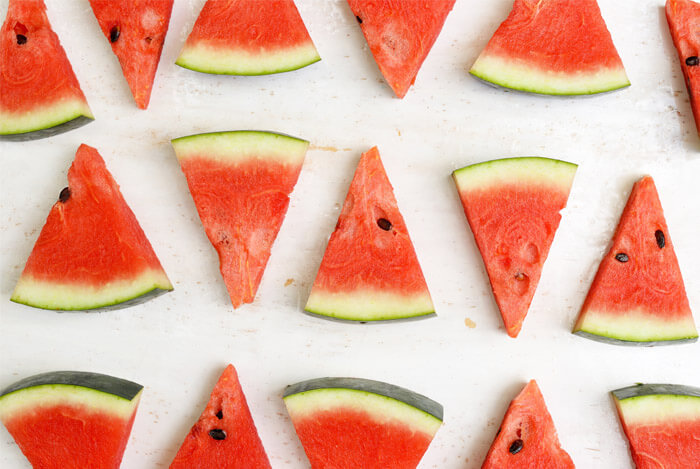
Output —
(547, 47)
(79, 419)
(92, 253)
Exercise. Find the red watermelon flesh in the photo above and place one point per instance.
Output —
(91, 252)
(400, 35)
(638, 295)
(39, 93)
(684, 22)
(512, 206)
(560, 47)
(136, 31)
(225, 436)
(527, 437)
(370, 271)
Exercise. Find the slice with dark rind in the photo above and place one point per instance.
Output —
(683, 18)
(400, 35)
(553, 47)
(240, 182)
(39, 93)
(91, 253)
(248, 37)
(353, 422)
(70, 418)
(662, 424)
(136, 31)
(225, 436)
(527, 437)
(370, 271)
(512, 206)
(638, 296)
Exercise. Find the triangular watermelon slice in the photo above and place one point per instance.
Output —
(559, 47)
(240, 182)
(349, 423)
(638, 296)
(512, 206)
(684, 22)
(71, 419)
(91, 253)
(248, 37)
(527, 437)
(136, 31)
(225, 436)
(39, 93)
(370, 271)
(400, 35)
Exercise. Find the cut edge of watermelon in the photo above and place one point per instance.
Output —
(240, 145)
(368, 305)
(208, 58)
(503, 72)
(119, 294)
(654, 403)
(526, 169)
(47, 121)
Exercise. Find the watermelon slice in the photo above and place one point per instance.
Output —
(637, 296)
(225, 436)
(557, 47)
(527, 437)
(71, 419)
(400, 35)
(358, 423)
(512, 206)
(370, 271)
(39, 93)
(662, 424)
(136, 31)
(91, 252)
(248, 37)
(684, 22)
(240, 183)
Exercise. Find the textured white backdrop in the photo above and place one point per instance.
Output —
(178, 344)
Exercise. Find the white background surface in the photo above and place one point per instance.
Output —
(178, 344)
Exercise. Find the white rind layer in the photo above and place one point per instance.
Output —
(369, 305)
(635, 326)
(658, 408)
(43, 117)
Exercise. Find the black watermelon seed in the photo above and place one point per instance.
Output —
(515, 447)
(359, 20)
(114, 34)
(692, 61)
(148, 39)
(220, 414)
(384, 224)
(660, 238)
(64, 195)
(622, 257)
(21, 39)
(217, 434)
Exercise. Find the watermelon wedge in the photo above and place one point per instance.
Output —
(91, 253)
(248, 37)
(400, 35)
(349, 423)
(370, 271)
(39, 93)
(662, 424)
(527, 437)
(71, 419)
(512, 206)
(684, 22)
(556, 47)
(225, 436)
(638, 296)
(240, 182)
(136, 31)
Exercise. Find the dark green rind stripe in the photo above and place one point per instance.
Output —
(391, 391)
(265, 133)
(633, 343)
(251, 74)
(142, 298)
(582, 94)
(48, 132)
(655, 389)
(380, 318)
(99, 382)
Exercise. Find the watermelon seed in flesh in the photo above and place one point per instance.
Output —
(692, 61)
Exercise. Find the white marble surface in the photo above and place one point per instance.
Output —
(178, 344)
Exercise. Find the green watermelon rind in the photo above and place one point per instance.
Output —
(652, 389)
(523, 169)
(651, 342)
(654, 404)
(236, 145)
(45, 122)
(369, 306)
